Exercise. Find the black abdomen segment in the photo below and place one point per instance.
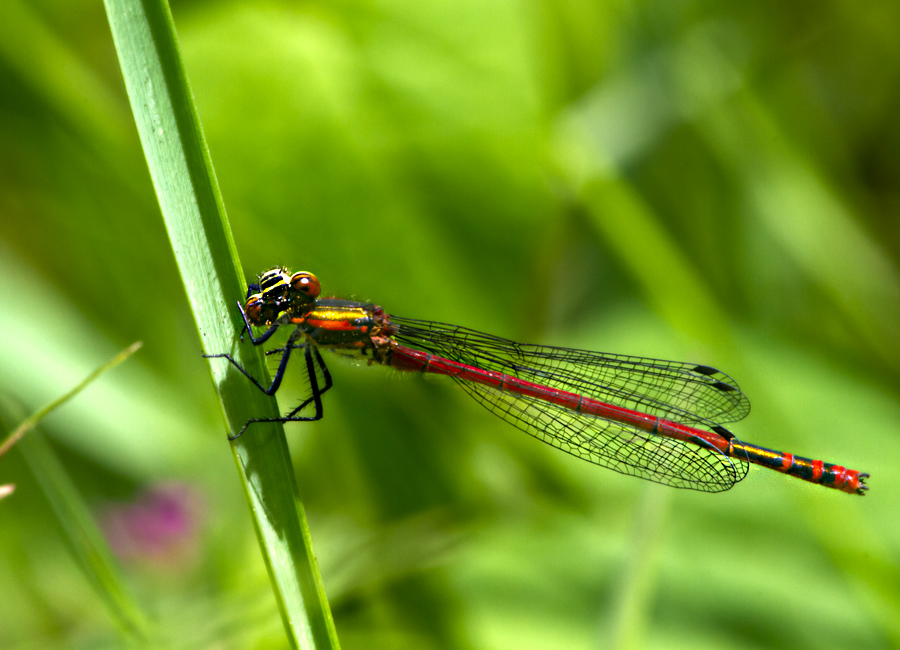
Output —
(807, 469)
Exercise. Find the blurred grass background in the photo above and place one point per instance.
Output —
(691, 180)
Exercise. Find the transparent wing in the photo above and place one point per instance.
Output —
(614, 445)
(682, 392)
(688, 393)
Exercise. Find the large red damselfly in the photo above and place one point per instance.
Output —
(658, 420)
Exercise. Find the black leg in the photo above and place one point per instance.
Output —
(279, 374)
(312, 357)
(319, 362)
(316, 392)
(263, 337)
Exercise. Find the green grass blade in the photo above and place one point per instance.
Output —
(81, 533)
(80, 530)
(192, 208)
(33, 419)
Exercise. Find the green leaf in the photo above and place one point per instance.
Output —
(192, 209)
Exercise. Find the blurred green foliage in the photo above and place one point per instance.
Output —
(693, 180)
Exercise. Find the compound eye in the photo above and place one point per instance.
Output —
(306, 283)
(253, 308)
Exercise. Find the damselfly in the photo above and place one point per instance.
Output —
(658, 420)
